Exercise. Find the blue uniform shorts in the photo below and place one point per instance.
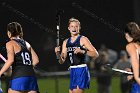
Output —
(79, 76)
(135, 88)
(24, 84)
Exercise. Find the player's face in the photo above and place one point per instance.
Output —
(74, 28)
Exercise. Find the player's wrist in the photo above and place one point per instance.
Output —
(84, 52)
(58, 52)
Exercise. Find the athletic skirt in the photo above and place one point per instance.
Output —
(24, 84)
(79, 76)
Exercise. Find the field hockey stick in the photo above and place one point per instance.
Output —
(59, 12)
(4, 59)
(122, 71)
(118, 70)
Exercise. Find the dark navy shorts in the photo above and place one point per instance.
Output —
(24, 84)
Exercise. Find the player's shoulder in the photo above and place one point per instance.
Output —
(11, 42)
(131, 46)
(65, 40)
(84, 38)
(27, 44)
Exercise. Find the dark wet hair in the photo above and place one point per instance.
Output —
(133, 30)
(15, 29)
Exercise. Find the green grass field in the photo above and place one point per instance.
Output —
(61, 85)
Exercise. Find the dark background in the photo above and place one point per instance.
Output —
(100, 21)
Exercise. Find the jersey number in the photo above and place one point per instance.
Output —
(26, 58)
(70, 57)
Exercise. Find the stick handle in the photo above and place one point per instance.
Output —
(57, 40)
(2, 57)
(122, 71)
(57, 31)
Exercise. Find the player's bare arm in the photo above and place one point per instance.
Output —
(35, 58)
(132, 51)
(10, 56)
(91, 51)
(62, 56)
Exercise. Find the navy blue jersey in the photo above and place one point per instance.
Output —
(22, 65)
(75, 59)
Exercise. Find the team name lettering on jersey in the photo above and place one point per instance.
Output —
(69, 49)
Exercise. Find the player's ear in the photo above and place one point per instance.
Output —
(68, 28)
(79, 27)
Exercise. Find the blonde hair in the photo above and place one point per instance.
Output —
(74, 20)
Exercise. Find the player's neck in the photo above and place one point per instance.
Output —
(74, 36)
(15, 37)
